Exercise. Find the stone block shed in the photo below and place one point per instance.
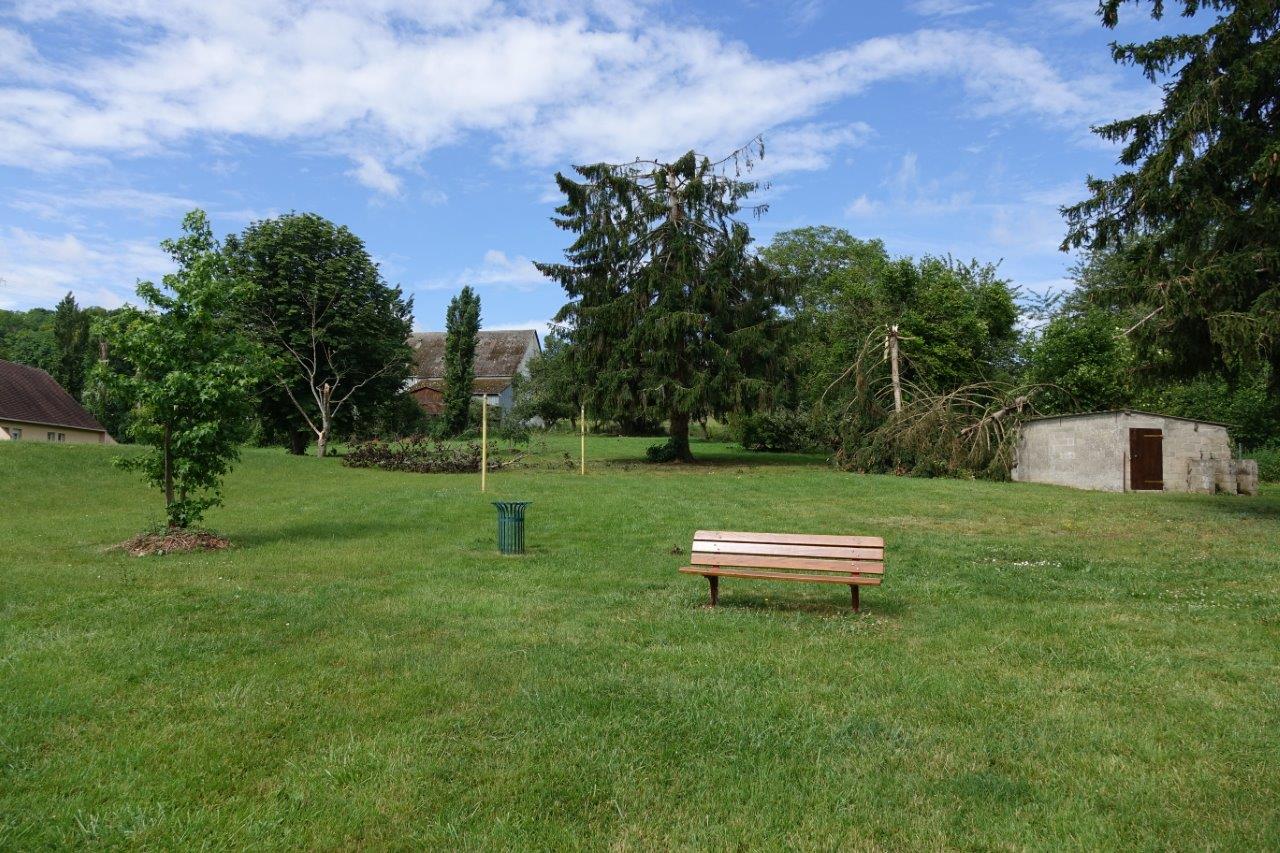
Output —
(1124, 451)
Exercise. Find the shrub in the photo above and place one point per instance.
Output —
(418, 454)
(513, 431)
(781, 430)
(665, 452)
(1268, 463)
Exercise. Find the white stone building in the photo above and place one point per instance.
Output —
(1125, 451)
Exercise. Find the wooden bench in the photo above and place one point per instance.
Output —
(853, 560)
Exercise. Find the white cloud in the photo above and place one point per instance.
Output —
(497, 269)
(434, 196)
(374, 175)
(17, 53)
(123, 201)
(542, 327)
(39, 269)
(862, 207)
(1078, 14)
(543, 80)
(809, 147)
(802, 13)
(945, 8)
(1028, 227)
(910, 193)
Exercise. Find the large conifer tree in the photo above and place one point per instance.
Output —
(1195, 217)
(670, 315)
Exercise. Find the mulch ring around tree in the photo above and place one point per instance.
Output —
(159, 543)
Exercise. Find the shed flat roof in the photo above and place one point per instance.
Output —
(1127, 412)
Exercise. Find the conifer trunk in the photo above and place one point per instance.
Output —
(680, 436)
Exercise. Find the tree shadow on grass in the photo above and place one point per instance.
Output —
(1240, 506)
(829, 606)
(744, 460)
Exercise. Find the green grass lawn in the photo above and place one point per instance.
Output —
(1042, 668)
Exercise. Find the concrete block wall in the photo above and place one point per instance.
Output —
(1247, 476)
(1083, 452)
(1092, 452)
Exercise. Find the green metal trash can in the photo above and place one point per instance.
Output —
(511, 526)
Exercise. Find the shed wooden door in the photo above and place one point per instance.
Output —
(1146, 460)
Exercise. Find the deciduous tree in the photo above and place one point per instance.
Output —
(192, 374)
(334, 330)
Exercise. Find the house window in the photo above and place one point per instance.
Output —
(51, 436)
(15, 433)
(62, 436)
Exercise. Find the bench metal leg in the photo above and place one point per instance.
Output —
(853, 593)
(715, 589)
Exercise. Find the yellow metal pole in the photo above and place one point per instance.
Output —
(484, 439)
(582, 422)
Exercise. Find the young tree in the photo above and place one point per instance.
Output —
(671, 315)
(71, 334)
(335, 331)
(552, 391)
(192, 374)
(1196, 211)
(461, 327)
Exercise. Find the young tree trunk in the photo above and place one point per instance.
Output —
(680, 436)
(326, 420)
(322, 437)
(168, 472)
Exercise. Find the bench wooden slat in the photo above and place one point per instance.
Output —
(854, 561)
(778, 550)
(782, 576)
(767, 562)
(788, 538)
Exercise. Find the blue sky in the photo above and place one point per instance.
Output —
(433, 129)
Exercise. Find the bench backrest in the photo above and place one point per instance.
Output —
(862, 555)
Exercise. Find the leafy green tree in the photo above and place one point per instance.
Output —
(1242, 402)
(71, 334)
(192, 374)
(335, 332)
(111, 410)
(957, 321)
(26, 337)
(552, 391)
(461, 328)
(1195, 211)
(671, 315)
(1083, 360)
(32, 347)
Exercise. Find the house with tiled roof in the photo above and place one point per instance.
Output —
(500, 355)
(34, 407)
